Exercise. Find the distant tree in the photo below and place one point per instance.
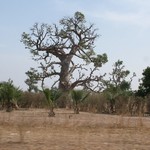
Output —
(9, 95)
(31, 81)
(144, 87)
(65, 53)
(117, 84)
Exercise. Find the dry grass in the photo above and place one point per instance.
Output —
(34, 130)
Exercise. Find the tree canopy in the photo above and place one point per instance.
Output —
(65, 53)
(31, 81)
(118, 83)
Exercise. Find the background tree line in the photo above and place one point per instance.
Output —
(118, 99)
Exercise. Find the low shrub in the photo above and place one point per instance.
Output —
(32, 100)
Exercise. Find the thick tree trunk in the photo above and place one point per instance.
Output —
(64, 81)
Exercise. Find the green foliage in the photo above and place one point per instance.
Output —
(51, 96)
(124, 85)
(32, 80)
(118, 85)
(118, 78)
(144, 87)
(9, 93)
(47, 93)
(100, 60)
(79, 96)
(79, 16)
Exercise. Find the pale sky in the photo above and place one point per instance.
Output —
(124, 26)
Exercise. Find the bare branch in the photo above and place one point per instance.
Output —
(57, 50)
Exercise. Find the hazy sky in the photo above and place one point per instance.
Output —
(124, 26)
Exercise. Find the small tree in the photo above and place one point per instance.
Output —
(31, 81)
(51, 97)
(78, 97)
(117, 84)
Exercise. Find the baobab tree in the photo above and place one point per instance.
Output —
(65, 52)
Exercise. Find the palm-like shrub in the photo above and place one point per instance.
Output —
(9, 95)
(51, 96)
(78, 96)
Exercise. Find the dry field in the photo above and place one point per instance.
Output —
(33, 130)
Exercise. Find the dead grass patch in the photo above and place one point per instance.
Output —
(33, 129)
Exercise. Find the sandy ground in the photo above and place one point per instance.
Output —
(34, 130)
